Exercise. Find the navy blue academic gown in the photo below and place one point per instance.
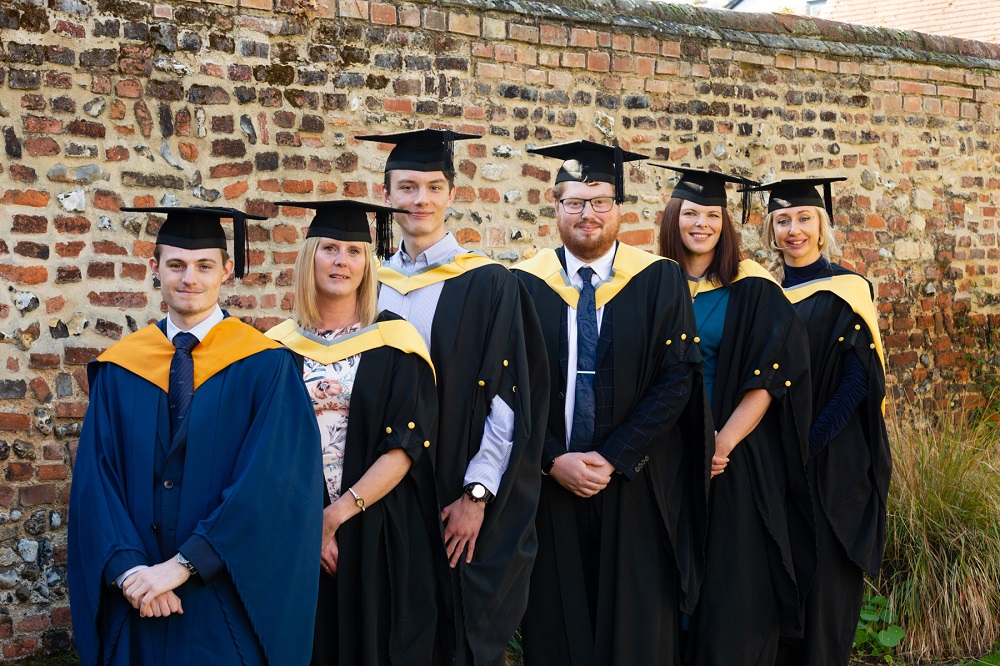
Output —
(240, 495)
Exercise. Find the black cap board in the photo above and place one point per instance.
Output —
(794, 192)
(199, 227)
(707, 188)
(421, 150)
(589, 162)
(347, 220)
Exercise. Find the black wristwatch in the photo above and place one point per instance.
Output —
(477, 492)
(547, 465)
(186, 563)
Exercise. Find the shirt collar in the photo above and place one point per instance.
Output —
(444, 249)
(602, 266)
(200, 330)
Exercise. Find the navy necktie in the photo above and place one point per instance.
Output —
(581, 439)
(181, 387)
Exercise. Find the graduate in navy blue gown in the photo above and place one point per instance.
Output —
(849, 459)
(761, 549)
(194, 525)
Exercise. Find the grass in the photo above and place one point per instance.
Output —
(941, 571)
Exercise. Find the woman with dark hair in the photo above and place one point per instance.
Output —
(760, 551)
(849, 463)
(372, 387)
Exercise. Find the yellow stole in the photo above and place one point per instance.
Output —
(459, 265)
(628, 263)
(397, 333)
(148, 352)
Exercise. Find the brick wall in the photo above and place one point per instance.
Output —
(106, 103)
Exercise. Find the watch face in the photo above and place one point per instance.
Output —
(359, 502)
(479, 491)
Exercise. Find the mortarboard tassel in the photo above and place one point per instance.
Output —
(619, 176)
(383, 235)
(448, 148)
(828, 199)
(747, 201)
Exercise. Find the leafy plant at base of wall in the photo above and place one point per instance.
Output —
(877, 634)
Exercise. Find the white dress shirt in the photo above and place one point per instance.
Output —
(418, 307)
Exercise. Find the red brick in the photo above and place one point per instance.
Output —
(637, 237)
(74, 410)
(383, 14)
(74, 30)
(397, 105)
(231, 169)
(585, 38)
(52, 472)
(42, 125)
(19, 471)
(297, 186)
(29, 224)
(134, 271)
(54, 304)
(43, 493)
(61, 617)
(43, 146)
(128, 88)
(23, 174)
(284, 257)
(82, 380)
(43, 361)
(355, 190)
(40, 388)
(598, 62)
(188, 151)
(143, 249)
(118, 299)
(7, 495)
(468, 235)
(32, 198)
(32, 623)
(116, 154)
(24, 274)
(236, 189)
(20, 648)
(71, 249)
(72, 225)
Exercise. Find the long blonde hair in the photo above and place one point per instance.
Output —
(306, 312)
(827, 243)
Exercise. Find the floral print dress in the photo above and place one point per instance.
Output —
(329, 387)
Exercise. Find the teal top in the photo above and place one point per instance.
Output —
(710, 313)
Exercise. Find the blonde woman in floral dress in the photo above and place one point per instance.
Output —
(371, 383)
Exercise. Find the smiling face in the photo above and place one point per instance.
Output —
(588, 235)
(700, 229)
(190, 281)
(339, 267)
(427, 195)
(797, 234)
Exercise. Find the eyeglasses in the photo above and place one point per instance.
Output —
(598, 204)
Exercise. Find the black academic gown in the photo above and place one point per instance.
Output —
(239, 494)
(652, 421)
(850, 476)
(382, 606)
(761, 536)
(485, 342)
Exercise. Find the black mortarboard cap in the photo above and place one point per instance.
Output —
(421, 150)
(589, 162)
(794, 192)
(708, 188)
(347, 220)
(199, 227)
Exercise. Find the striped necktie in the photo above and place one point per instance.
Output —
(181, 387)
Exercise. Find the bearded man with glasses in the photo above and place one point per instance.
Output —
(623, 508)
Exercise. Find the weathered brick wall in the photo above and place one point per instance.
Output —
(105, 103)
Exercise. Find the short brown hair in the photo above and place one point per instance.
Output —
(726, 258)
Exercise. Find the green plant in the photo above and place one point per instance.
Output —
(942, 560)
(877, 634)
